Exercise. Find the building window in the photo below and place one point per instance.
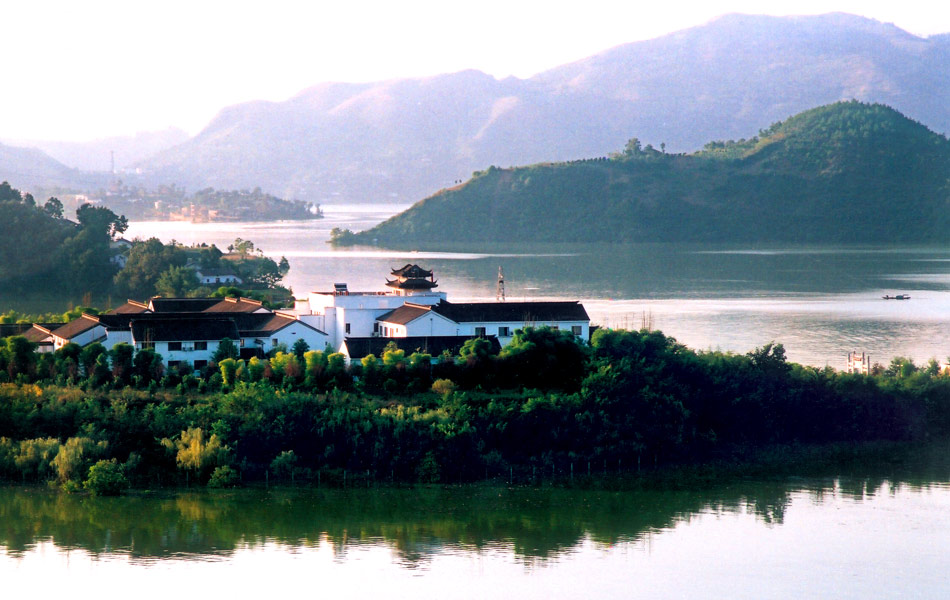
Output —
(273, 342)
(504, 331)
(174, 347)
(347, 327)
(201, 345)
(200, 364)
(148, 345)
(173, 364)
(577, 330)
(480, 331)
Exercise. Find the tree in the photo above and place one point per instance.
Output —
(147, 262)
(283, 267)
(196, 454)
(54, 208)
(88, 357)
(226, 349)
(106, 478)
(20, 357)
(101, 220)
(148, 365)
(267, 273)
(242, 247)
(300, 348)
(122, 364)
(176, 282)
(632, 148)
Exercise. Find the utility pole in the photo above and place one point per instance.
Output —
(500, 288)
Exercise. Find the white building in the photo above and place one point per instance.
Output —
(191, 329)
(342, 313)
(480, 319)
(412, 309)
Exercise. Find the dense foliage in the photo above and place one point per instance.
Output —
(41, 249)
(44, 254)
(547, 405)
(847, 172)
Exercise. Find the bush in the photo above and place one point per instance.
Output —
(106, 478)
(224, 477)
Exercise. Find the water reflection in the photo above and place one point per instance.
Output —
(533, 525)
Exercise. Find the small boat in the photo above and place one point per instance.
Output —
(897, 297)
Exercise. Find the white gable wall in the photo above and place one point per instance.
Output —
(86, 337)
(430, 324)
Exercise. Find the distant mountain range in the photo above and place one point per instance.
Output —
(403, 139)
(847, 172)
(97, 155)
(28, 167)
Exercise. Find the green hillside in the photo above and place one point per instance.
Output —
(846, 172)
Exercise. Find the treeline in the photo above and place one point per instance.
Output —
(42, 250)
(546, 406)
(47, 255)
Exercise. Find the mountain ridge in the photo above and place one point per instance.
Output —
(848, 172)
(404, 138)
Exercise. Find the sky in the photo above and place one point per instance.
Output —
(85, 70)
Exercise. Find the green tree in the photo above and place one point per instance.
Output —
(177, 282)
(197, 454)
(300, 349)
(75, 457)
(106, 478)
(122, 363)
(226, 349)
(101, 220)
(146, 264)
(54, 208)
(20, 357)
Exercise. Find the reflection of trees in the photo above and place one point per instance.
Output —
(536, 525)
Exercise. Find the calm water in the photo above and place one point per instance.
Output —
(826, 538)
(820, 301)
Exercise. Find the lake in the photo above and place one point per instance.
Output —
(840, 537)
(821, 302)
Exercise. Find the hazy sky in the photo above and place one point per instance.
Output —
(82, 70)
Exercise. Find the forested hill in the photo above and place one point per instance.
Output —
(845, 172)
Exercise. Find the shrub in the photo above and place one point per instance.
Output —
(106, 478)
(223, 477)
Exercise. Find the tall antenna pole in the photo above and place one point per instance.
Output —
(500, 289)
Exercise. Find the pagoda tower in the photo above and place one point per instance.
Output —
(411, 278)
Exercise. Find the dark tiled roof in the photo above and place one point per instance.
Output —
(180, 305)
(182, 329)
(81, 325)
(406, 313)
(37, 333)
(512, 312)
(358, 347)
(229, 305)
(11, 329)
(411, 270)
(130, 307)
(217, 273)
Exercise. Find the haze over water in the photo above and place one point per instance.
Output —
(821, 302)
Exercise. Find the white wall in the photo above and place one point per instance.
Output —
(296, 331)
(491, 328)
(431, 324)
(86, 337)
